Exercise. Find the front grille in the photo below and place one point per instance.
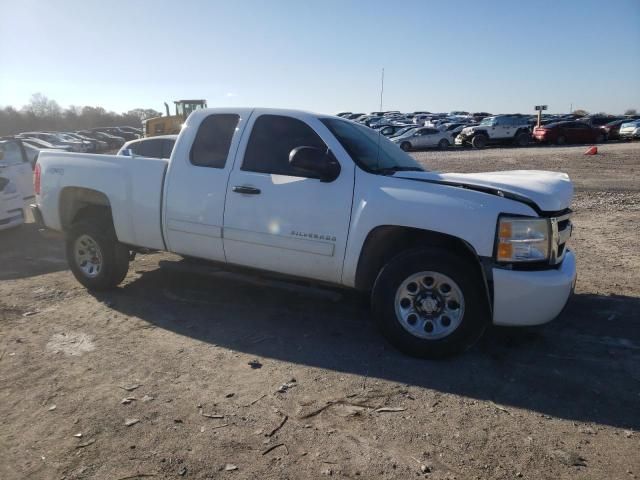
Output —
(561, 228)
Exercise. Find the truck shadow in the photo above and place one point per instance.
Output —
(582, 367)
(26, 253)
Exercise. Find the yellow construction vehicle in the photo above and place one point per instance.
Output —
(171, 123)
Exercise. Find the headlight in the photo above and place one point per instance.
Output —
(523, 239)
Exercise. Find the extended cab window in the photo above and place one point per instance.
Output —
(213, 140)
(272, 139)
(149, 148)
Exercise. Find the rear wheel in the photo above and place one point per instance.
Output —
(561, 140)
(443, 144)
(95, 257)
(522, 139)
(479, 141)
(429, 303)
(406, 146)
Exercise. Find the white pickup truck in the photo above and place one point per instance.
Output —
(325, 199)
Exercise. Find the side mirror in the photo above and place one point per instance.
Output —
(127, 152)
(315, 162)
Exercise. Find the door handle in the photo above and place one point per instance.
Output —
(246, 190)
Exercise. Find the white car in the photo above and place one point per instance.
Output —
(33, 152)
(11, 203)
(159, 146)
(425, 137)
(325, 199)
(15, 164)
(499, 129)
(630, 130)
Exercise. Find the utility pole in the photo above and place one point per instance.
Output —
(381, 89)
(571, 108)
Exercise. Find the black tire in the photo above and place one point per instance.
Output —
(406, 146)
(479, 141)
(601, 138)
(114, 255)
(522, 139)
(561, 140)
(443, 144)
(475, 316)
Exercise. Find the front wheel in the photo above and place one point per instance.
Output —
(95, 257)
(479, 141)
(443, 144)
(600, 138)
(406, 146)
(430, 303)
(522, 139)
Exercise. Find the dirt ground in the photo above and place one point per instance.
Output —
(189, 372)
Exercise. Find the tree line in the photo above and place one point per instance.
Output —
(44, 114)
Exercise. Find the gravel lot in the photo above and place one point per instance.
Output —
(189, 372)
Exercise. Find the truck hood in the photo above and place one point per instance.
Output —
(549, 191)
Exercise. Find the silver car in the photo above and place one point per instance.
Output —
(425, 137)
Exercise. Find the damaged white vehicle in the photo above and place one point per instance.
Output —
(324, 199)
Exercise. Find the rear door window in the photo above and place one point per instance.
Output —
(213, 140)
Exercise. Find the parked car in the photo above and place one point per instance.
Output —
(101, 145)
(56, 140)
(630, 130)
(11, 202)
(33, 152)
(159, 146)
(116, 132)
(113, 142)
(402, 131)
(568, 132)
(425, 137)
(134, 130)
(38, 143)
(325, 199)
(391, 130)
(453, 132)
(499, 129)
(612, 129)
(14, 164)
(87, 146)
(597, 121)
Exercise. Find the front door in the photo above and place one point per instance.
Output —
(278, 219)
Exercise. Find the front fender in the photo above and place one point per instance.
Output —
(468, 215)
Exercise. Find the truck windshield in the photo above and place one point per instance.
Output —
(370, 149)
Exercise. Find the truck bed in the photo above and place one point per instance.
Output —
(132, 185)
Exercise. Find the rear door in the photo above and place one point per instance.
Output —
(196, 183)
(15, 159)
(278, 219)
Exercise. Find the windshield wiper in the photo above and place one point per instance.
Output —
(397, 168)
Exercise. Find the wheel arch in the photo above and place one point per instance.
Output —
(478, 132)
(385, 242)
(77, 202)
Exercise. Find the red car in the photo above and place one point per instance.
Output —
(568, 132)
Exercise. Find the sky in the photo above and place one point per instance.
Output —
(324, 56)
